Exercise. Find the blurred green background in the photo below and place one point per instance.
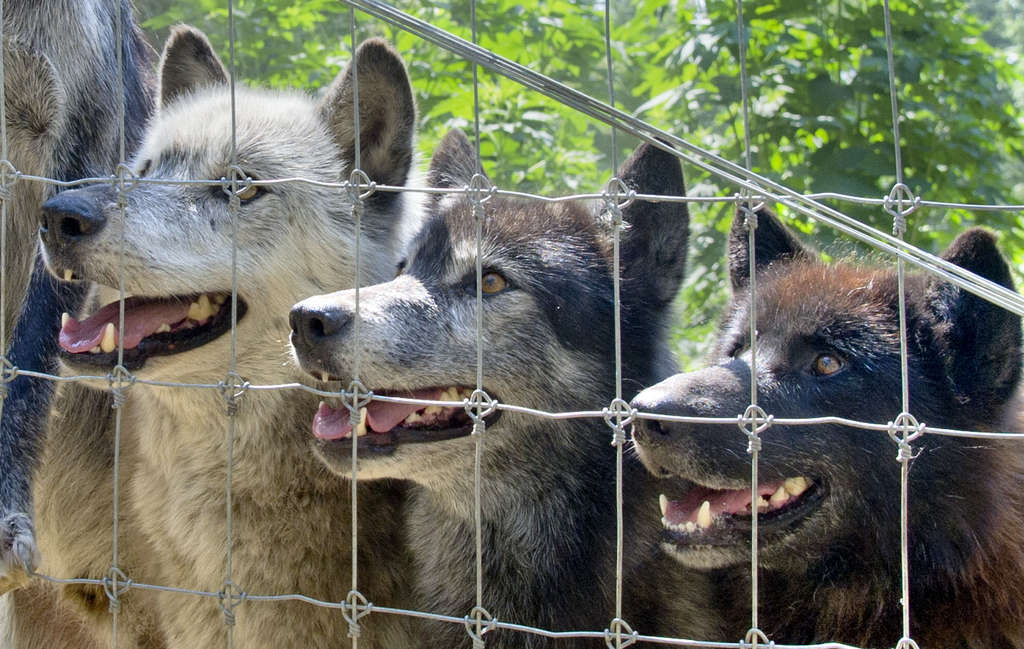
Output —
(820, 107)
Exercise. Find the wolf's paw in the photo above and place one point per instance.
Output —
(18, 552)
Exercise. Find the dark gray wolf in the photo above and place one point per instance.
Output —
(547, 493)
(291, 531)
(828, 344)
(62, 103)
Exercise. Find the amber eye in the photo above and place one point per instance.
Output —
(249, 192)
(492, 283)
(827, 364)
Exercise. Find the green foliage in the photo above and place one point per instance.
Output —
(820, 117)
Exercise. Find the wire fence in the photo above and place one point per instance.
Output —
(752, 189)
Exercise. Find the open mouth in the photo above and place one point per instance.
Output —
(703, 516)
(152, 327)
(383, 425)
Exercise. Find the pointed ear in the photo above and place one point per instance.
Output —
(773, 244)
(983, 340)
(36, 100)
(187, 64)
(654, 244)
(387, 113)
(453, 163)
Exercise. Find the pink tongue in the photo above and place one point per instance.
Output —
(141, 318)
(732, 501)
(381, 416)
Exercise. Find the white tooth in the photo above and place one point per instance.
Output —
(780, 496)
(95, 350)
(796, 486)
(361, 428)
(204, 306)
(321, 404)
(109, 341)
(663, 503)
(665, 523)
(704, 515)
(193, 312)
(163, 329)
(64, 317)
(690, 527)
(68, 274)
(220, 299)
(762, 503)
(323, 376)
(432, 410)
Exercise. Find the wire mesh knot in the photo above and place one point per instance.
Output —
(230, 597)
(620, 633)
(478, 406)
(10, 372)
(906, 643)
(900, 203)
(746, 206)
(232, 389)
(478, 622)
(116, 584)
(903, 431)
(479, 190)
(357, 397)
(119, 380)
(356, 607)
(756, 638)
(618, 415)
(753, 422)
(8, 176)
(234, 186)
(357, 180)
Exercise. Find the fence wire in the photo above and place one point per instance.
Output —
(753, 191)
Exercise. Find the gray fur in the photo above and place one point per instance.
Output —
(548, 511)
(61, 99)
(291, 520)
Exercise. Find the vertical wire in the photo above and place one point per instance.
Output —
(751, 220)
(232, 362)
(616, 298)
(478, 212)
(358, 213)
(3, 208)
(904, 372)
(118, 398)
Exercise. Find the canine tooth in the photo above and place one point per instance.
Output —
(780, 496)
(64, 317)
(663, 503)
(163, 329)
(796, 486)
(109, 341)
(68, 274)
(323, 377)
(704, 515)
(361, 428)
(95, 350)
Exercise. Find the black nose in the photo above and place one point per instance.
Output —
(317, 324)
(69, 217)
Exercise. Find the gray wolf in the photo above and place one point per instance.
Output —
(547, 492)
(62, 103)
(291, 533)
(828, 344)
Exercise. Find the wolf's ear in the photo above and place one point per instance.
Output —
(773, 244)
(453, 163)
(36, 100)
(187, 64)
(654, 243)
(387, 113)
(983, 341)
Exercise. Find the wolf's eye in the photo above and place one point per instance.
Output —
(492, 283)
(827, 364)
(249, 192)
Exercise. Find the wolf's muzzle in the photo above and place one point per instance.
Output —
(317, 328)
(70, 217)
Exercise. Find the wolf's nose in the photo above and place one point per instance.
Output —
(69, 217)
(314, 324)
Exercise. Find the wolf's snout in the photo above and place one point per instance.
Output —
(70, 217)
(316, 324)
